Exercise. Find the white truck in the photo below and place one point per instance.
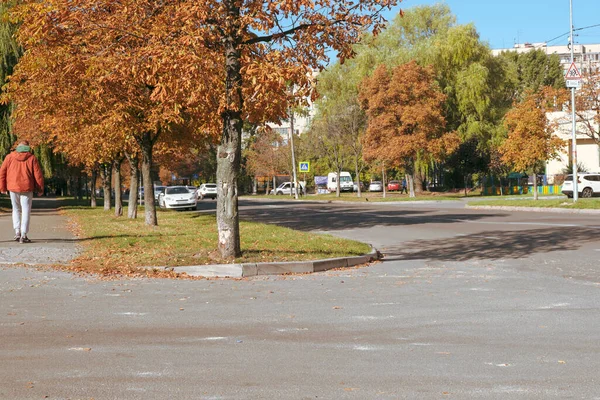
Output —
(346, 184)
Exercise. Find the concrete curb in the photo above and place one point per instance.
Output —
(272, 268)
(536, 209)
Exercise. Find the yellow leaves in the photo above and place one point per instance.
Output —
(530, 137)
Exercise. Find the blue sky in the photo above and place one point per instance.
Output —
(503, 22)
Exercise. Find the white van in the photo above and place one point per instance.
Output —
(346, 183)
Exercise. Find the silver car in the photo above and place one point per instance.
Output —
(376, 186)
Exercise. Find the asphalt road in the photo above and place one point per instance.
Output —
(467, 304)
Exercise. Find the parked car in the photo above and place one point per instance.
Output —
(394, 186)
(157, 191)
(286, 188)
(208, 190)
(177, 197)
(355, 187)
(588, 185)
(376, 186)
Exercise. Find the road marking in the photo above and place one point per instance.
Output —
(131, 313)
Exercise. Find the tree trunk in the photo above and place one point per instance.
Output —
(383, 182)
(254, 186)
(116, 169)
(134, 176)
(149, 206)
(229, 150)
(357, 172)
(337, 182)
(93, 179)
(79, 187)
(268, 190)
(535, 191)
(105, 170)
(465, 183)
(410, 174)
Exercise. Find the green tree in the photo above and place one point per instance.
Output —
(532, 70)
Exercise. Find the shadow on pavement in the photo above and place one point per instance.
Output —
(494, 245)
(326, 217)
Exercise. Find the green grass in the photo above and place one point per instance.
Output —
(119, 245)
(543, 203)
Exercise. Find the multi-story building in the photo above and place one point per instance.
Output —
(586, 56)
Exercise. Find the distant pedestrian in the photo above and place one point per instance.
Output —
(403, 189)
(21, 175)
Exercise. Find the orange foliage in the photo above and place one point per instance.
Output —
(405, 112)
(530, 134)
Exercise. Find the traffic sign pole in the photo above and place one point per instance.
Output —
(574, 128)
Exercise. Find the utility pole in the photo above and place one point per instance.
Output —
(295, 183)
(574, 133)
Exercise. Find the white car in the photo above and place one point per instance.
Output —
(177, 197)
(286, 188)
(207, 190)
(588, 185)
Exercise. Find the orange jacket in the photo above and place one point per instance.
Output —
(21, 172)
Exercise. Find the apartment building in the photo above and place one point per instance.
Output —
(586, 56)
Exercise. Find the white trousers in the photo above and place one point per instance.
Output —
(21, 209)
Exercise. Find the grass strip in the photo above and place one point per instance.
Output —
(582, 204)
(120, 245)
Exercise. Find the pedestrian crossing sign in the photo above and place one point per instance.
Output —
(304, 166)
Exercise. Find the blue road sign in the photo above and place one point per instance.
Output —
(304, 166)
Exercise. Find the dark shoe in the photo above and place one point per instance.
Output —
(24, 239)
(17, 238)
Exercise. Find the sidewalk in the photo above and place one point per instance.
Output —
(51, 242)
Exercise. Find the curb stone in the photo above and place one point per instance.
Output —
(272, 268)
(536, 209)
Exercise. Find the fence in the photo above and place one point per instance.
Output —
(513, 190)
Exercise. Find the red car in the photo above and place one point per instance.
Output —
(393, 185)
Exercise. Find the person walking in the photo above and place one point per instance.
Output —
(21, 175)
(403, 188)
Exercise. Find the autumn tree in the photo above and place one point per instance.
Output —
(222, 62)
(531, 140)
(265, 155)
(102, 70)
(587, 107)
(404, 107)
(9, 54)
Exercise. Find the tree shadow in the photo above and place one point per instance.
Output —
(327, 217)
(494, 245)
